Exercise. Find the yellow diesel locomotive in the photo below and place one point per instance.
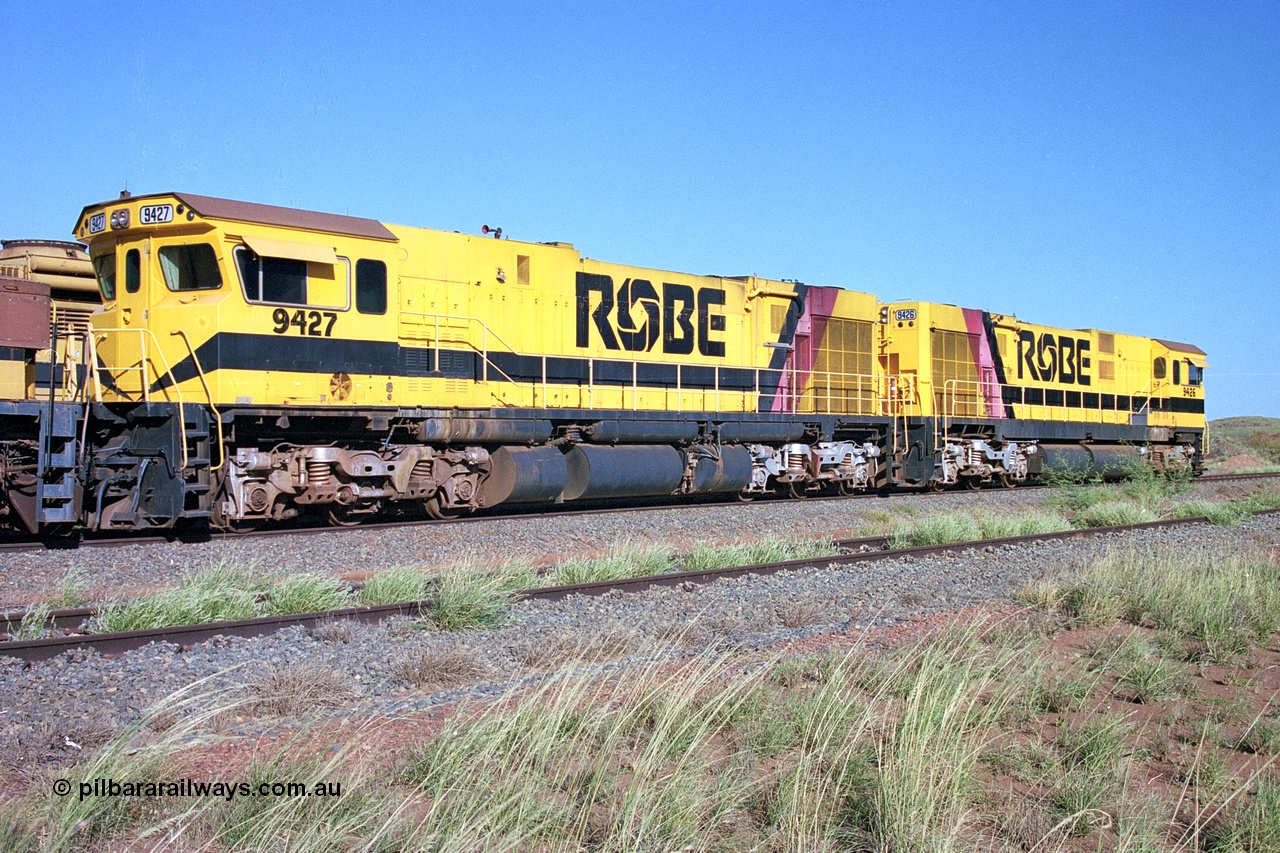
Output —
(254, 363)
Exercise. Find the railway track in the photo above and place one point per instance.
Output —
(28, 545)
(866, 549)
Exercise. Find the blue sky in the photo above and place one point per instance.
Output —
(1114, 165)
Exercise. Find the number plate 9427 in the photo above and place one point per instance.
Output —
(316, 324)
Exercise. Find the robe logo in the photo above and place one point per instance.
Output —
(640, 315)
(1053, 358)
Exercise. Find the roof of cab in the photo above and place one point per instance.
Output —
(268, 214)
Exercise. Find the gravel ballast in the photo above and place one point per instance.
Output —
(388, 669)
(130, 570)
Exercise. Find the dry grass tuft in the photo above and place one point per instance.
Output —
(339, 631)
(292, 690)
(441, 666)
(806, 610)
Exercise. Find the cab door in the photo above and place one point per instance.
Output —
(120, 329)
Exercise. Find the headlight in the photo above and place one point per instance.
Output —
(120, 218)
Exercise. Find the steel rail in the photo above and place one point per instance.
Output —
(30, 544)
(861, 550)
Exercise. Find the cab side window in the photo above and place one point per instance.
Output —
(293, 281)
(132, 271)
(281, 280)
(371, 287)
(1158, 368)
(1195, 375)
(1177, 371)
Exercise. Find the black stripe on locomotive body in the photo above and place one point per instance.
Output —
(244, 351)
(1035, 396)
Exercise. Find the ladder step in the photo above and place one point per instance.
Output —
(63, 458)
(58, 513)
(58, 491)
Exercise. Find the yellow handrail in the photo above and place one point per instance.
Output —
(143, 361)
(217, 416)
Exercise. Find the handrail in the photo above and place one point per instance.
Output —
(827, 391)
(204, 381)
(969, 392)
(143, 363)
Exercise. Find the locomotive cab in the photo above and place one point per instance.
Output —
(202, 298)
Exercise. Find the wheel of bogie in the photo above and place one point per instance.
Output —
(240, 525)
(796, 490)
(845, 488)
(972, 483)
(436, 509)
(745, 497)
(1007, 481)
(233, 525)
(345, 516)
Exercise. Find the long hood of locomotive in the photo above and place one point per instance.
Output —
(466, 321)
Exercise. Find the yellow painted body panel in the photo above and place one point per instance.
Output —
(470, 322)
(1049, 373)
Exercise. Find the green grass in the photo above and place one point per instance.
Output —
(463, 595)
(396, 586)
(464, 598)
(707, 557)
(1254, 826)
(1225, 513)
(722, 751)
(961, 527)
(935, 530)
(622, 561)
(35, 623)
(673, 760)
(1021, 524)
(1153, 680)
(1115, 513)
(223, 592)
(1256, 469)
(72, 590)
(307, 594)
(1222, 605)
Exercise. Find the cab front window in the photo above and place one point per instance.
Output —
(191, 267)
(105, 267)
